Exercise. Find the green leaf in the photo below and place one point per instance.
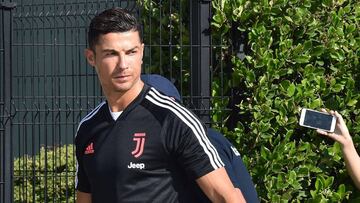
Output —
(262, 80)
(319, 183)
(320, 63)
(250, 76)
(292, 176)
(338, 55)
(331, 31)
(337, 87)
(265, 153)
(291, 90)
(238, 11)
(352, 102)
(329, 181)
(219, 18)
(318, 50)
(302, 59)
(350, 28)
(307, 45)
(341, 190)
(315, 104)
(313, 193)
(303, 172)
(288, 19)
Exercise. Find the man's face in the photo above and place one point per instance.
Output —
(117, 59)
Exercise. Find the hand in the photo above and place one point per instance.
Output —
(341, 133)
(351, 157)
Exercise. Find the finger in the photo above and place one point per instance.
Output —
(333, 136)
(323, 110)
(340, 138)
(321, 132)
(341, 125)
(339, 117)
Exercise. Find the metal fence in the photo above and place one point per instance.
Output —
(47, 86)
(5, 101)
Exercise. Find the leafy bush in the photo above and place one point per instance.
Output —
(297, 54)
(48, 176)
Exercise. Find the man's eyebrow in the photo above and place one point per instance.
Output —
(109, 50)
(131, 49)
(115, 51)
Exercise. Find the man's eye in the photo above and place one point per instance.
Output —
(132, 52)
(110, 54)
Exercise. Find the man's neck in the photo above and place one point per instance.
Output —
(118, 101)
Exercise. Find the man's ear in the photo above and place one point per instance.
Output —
(90, 56)
(142, 52)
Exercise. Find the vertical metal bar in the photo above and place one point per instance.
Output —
(160, 39)
(200, 71)
(8, 163)
(2, 113)
(170, 43)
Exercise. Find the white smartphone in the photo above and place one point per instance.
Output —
(317, 120)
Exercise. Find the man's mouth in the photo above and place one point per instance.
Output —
(121, 77)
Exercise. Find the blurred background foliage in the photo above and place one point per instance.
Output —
(297, 53)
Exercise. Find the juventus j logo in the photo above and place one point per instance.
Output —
(139, 138)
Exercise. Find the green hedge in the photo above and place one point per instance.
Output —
(298, 53)
(47, 177)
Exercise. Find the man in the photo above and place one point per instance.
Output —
(139, 145)
(234, 166)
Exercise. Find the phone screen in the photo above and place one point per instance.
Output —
(318, 120)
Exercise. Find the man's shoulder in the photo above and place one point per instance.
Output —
(93, 112)
(165, 104)
(85, 124)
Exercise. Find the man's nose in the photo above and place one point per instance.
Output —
(122, 64)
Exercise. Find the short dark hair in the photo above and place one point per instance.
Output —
(111, 20)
